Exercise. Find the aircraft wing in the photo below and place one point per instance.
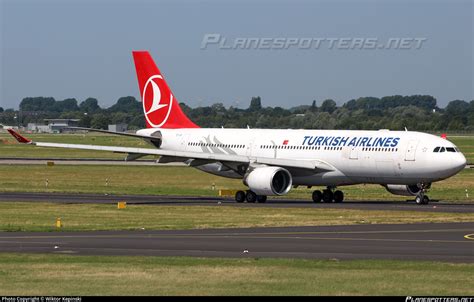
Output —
(314, 165)
(115, 133)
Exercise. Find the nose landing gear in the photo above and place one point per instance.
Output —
(421, 198)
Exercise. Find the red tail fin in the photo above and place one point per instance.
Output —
(160, 107)
(20, 138)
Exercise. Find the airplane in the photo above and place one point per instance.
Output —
(272, 161)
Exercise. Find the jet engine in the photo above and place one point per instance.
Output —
(404, 190)
(269, 181)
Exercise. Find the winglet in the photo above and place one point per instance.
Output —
(21, 139)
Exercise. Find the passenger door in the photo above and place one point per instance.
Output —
(411, 150)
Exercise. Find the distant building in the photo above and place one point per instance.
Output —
(40, 128)
(58, 125)
(6, 127)
(53, 126)
(118, 127)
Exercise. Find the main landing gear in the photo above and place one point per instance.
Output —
(250, 197)
(328, 195)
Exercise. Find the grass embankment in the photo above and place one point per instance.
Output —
(26, 216)
(60, 275)
(185, 181)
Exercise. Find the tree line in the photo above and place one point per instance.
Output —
(415, 112)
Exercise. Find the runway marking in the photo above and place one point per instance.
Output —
(139, 235)
(260, 237)
(251, 253)
(469, 236)
(364, 239)
(212, 251)
(28, 242)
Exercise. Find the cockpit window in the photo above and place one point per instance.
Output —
(444, 149)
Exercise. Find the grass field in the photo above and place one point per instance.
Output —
(27, 216)
(61, 275)
(9, 147)
(466, 145)
(170, 180)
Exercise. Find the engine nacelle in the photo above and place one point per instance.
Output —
(269, 181)
(404, 190)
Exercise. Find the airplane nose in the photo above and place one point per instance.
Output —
(458, 162)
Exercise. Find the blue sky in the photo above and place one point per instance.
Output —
(83, 49)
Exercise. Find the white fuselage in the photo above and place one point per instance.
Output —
(381, 157)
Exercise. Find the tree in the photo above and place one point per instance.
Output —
(328, 106)
(90, 105)
(1, 109)
(218, 107)
(458, 111)
(85, 121)
(37, 104)
(127, 104)
(392, 112)
(255, 104)
(470, 118)
(457, 107)
(100, 121)
(65, 105)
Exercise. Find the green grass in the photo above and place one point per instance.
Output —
(66, 275)
(36, 216)
(184, 181)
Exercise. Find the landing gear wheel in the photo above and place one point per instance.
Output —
(327, 196)
(338, 196)
(426, 200)
(317, 196)
(261, 198)
(251, 197)
(422, 199)
(240, 196)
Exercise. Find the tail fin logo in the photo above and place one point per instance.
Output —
(156, 105)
